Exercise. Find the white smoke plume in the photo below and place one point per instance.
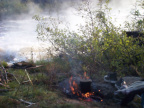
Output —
(19, 33)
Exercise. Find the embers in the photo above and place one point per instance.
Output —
(80, 88)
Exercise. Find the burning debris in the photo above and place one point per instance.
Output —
(80, 88)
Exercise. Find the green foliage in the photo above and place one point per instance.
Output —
(98, 44)
(137, 22)
(4, 64)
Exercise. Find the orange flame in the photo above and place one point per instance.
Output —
(85, 76)
(87, 95)
(75, 90)
(73, 86)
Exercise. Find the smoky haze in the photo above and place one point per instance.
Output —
(18, 31)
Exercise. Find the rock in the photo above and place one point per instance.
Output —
(127, 95)
(131, 79)
(111, 77)
(106, 89)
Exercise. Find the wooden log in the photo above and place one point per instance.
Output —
(10, 75)
(28, 81)
(22, 65)
(4, 70)
(37, 66)
(28, 77)
(16, 78)
(2, 77)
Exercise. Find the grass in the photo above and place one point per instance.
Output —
(43, 91)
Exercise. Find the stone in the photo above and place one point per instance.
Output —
(127, 95)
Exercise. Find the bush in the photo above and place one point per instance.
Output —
(4, 64)
(98, 45)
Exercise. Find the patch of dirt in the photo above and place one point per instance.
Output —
(105, 104)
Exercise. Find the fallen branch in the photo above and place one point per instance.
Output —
(26, 81)
(35, 67)
(5, 74)
(4, 90)
(4, 85)
(13, 76)
(2, 77)
(27, 102)
(28, 76)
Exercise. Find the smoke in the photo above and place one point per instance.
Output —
(20, 32)
(10, 56)
(122, 7)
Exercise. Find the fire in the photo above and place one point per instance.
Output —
(75, 89)
(85, 76)
(87, 95)
(83, 90)
(73, 86)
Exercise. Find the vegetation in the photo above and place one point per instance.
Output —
(98, 47)
(4, 64)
